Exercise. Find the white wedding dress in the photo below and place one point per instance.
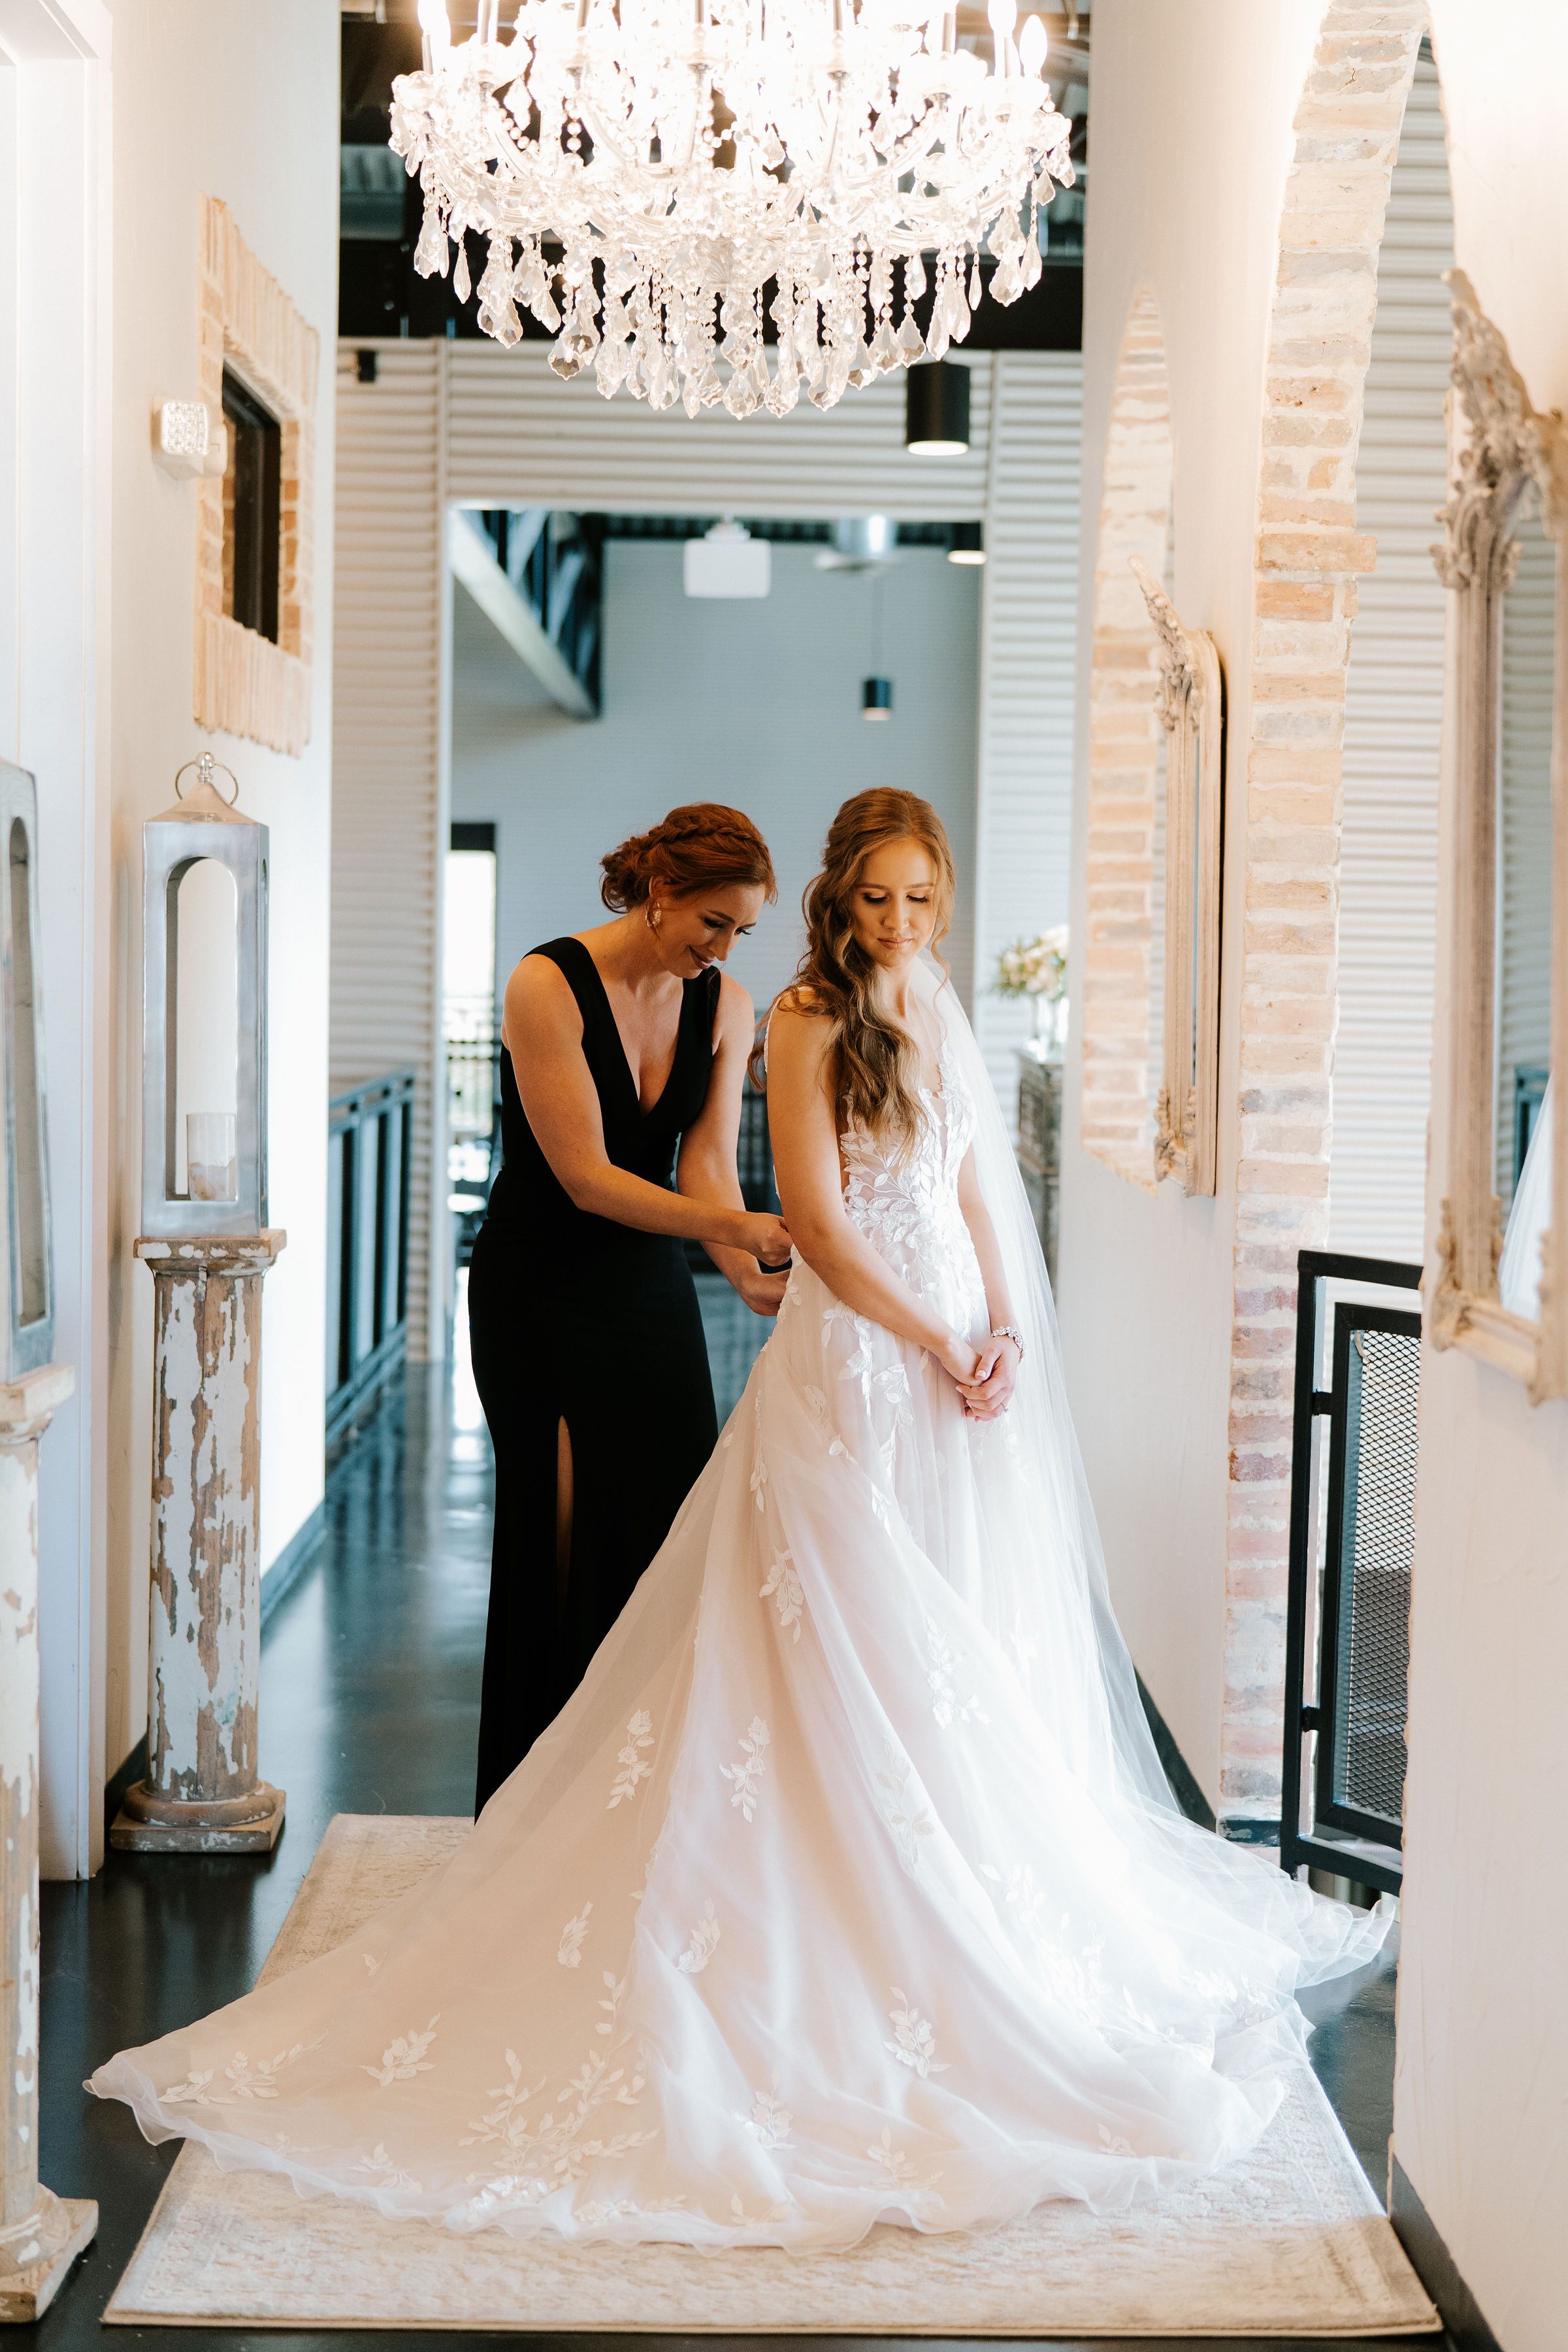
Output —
(847, 1887)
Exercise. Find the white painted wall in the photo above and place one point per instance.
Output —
(222, 99)
(55, 391)
(756, 703)
(1144, 1278)
(1482, 2085)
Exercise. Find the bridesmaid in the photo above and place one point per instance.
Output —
(624, 1049)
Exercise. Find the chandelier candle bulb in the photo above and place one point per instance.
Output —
(660, 185)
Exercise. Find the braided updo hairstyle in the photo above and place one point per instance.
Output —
(703, 846)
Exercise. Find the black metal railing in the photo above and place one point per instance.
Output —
(1352, 1527)
(555, 561)
(473, 1133)
(370, 1133)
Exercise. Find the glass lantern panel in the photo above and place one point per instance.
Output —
(22, 1058)
(204, 1044)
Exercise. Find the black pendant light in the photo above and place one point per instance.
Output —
(936, 410)
(968, 545)
(877, 697)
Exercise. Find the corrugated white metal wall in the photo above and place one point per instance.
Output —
(474, 425)
(1388, 869)
(518, 435)
(1029, 628)
(389, 732)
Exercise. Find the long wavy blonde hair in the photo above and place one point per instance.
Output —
(874, 1061)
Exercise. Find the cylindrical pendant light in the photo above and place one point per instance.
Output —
(877, 697)
(936, 410)
(968, 539)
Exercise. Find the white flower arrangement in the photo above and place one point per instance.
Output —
(1035, 967)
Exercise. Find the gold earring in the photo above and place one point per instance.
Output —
(655, 916)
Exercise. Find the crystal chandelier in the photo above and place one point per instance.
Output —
(650, 174)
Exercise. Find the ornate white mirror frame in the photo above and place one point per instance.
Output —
(1190, 704)
(1504, 447)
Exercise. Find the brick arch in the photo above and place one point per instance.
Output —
(1123, 756)
(1308, 557)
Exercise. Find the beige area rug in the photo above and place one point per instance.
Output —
(1293, 2243)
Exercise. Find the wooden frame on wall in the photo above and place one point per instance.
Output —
(246, 683)
(1190, 706)
(1505, 447)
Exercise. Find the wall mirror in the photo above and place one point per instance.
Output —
(26, 1317)
(1501, 1278)
(1184, 926)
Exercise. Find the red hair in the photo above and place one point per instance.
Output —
(704, 847)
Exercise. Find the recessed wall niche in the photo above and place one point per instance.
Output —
(257, 364)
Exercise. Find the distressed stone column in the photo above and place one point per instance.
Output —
(203, 1793)
(40, 2235)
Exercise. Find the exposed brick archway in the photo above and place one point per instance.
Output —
(1309, 557)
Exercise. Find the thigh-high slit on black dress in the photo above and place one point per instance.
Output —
(572, 1317)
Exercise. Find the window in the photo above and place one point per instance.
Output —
(252, 499)
(468, 1013)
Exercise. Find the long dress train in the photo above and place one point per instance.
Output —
(847, 1887)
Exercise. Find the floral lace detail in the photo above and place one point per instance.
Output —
(401, 2058)
(914, 2038)
(742, 2219)
(783, 1580)
(904, 1815)
(946, 1700)
(384, 2171)
(246, 2078)
(897, 2165)
(747, 1775)
(702, 1945)
(635, 1766)
(770, 2118)
(909, 1207)
(569, 1951)
(552, 2148)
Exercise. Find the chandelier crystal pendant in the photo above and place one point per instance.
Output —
(648, 173)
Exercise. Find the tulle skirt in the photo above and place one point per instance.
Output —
(830, 1899)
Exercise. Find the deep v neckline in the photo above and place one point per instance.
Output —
(644, 1111)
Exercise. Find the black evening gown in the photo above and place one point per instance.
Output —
(572, 1317)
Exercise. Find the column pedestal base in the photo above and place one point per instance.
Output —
(34, 2263)
(148, 1823)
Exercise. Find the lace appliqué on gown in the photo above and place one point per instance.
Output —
(905, 1944)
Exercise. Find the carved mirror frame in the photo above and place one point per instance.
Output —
(1503, 446)
(1190, 705)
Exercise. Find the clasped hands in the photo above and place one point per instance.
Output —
(984, 1376)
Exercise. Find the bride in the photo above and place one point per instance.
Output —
(847, 1887)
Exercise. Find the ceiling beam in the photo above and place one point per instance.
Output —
(473, 566)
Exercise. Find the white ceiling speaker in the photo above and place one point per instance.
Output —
(728, 562)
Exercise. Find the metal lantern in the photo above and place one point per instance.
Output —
(27, 1288)
(203, 1158)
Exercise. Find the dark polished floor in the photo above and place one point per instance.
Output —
(370, 1704)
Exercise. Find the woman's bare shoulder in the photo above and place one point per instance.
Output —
(800, 1000)
(540, 997)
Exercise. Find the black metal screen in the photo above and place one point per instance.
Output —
(1353, 1529)
(1365, 1647)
